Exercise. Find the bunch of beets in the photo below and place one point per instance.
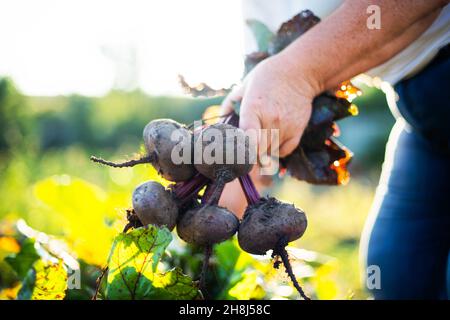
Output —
(190, 203)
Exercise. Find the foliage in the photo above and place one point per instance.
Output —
(56, 190)
(24, 260)
(45, 281)
(35, 266)
(14, 121)
(133, 268)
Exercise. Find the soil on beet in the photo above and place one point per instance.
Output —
(159, 145)
(153, 204)
(207, 225)
(241, 154)
(268, 221)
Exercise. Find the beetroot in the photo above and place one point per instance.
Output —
(207, 225)
(236, 160)
(169, 149)
(159, 143)
(153, 204)
(268, 222)
(223, 152)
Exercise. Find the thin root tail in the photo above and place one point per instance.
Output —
(282, 253)
(130, 163)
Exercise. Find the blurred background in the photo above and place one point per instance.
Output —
(79, 78)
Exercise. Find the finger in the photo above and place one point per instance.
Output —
(250, 122)
(234, 96)
(249, 118)
(260, 181)
(288, 146)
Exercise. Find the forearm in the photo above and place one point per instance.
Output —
(355, 48)
(388, 50)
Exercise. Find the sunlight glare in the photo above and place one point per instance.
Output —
(52, 47)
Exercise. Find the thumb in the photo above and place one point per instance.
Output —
(250, 122)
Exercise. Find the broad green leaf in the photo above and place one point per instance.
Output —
(261, 32)
(45, 281)
(172, 285)
(232, 263)
(227, 253)
(133, 268)
(22, 261)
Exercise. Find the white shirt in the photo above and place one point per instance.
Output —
(403, 65)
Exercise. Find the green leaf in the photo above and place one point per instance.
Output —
(133, 268)
(227, 254)
(232, 264)
(45, 281)
(23, 261)
(38, 265)
(261, 32)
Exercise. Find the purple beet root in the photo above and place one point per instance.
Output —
(223, 152)
(153, 204)
(268, 222)
(164, 139)
(161, 138)
(207, 225)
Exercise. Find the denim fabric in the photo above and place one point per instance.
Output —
(425, 100)
(407, 234)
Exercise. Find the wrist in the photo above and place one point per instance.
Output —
(301, 72)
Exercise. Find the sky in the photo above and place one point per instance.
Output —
(54, 47)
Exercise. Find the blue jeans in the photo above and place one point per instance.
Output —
(407, 235)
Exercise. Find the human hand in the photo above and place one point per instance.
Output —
(274, 96)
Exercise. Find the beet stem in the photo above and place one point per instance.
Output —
(224, 116)
(213, 192)
(207, 194)
(186, 190)
(130, 163)
(99, 281)
(281, 251)
(205, 266)
(233, 119)
(251, 194)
